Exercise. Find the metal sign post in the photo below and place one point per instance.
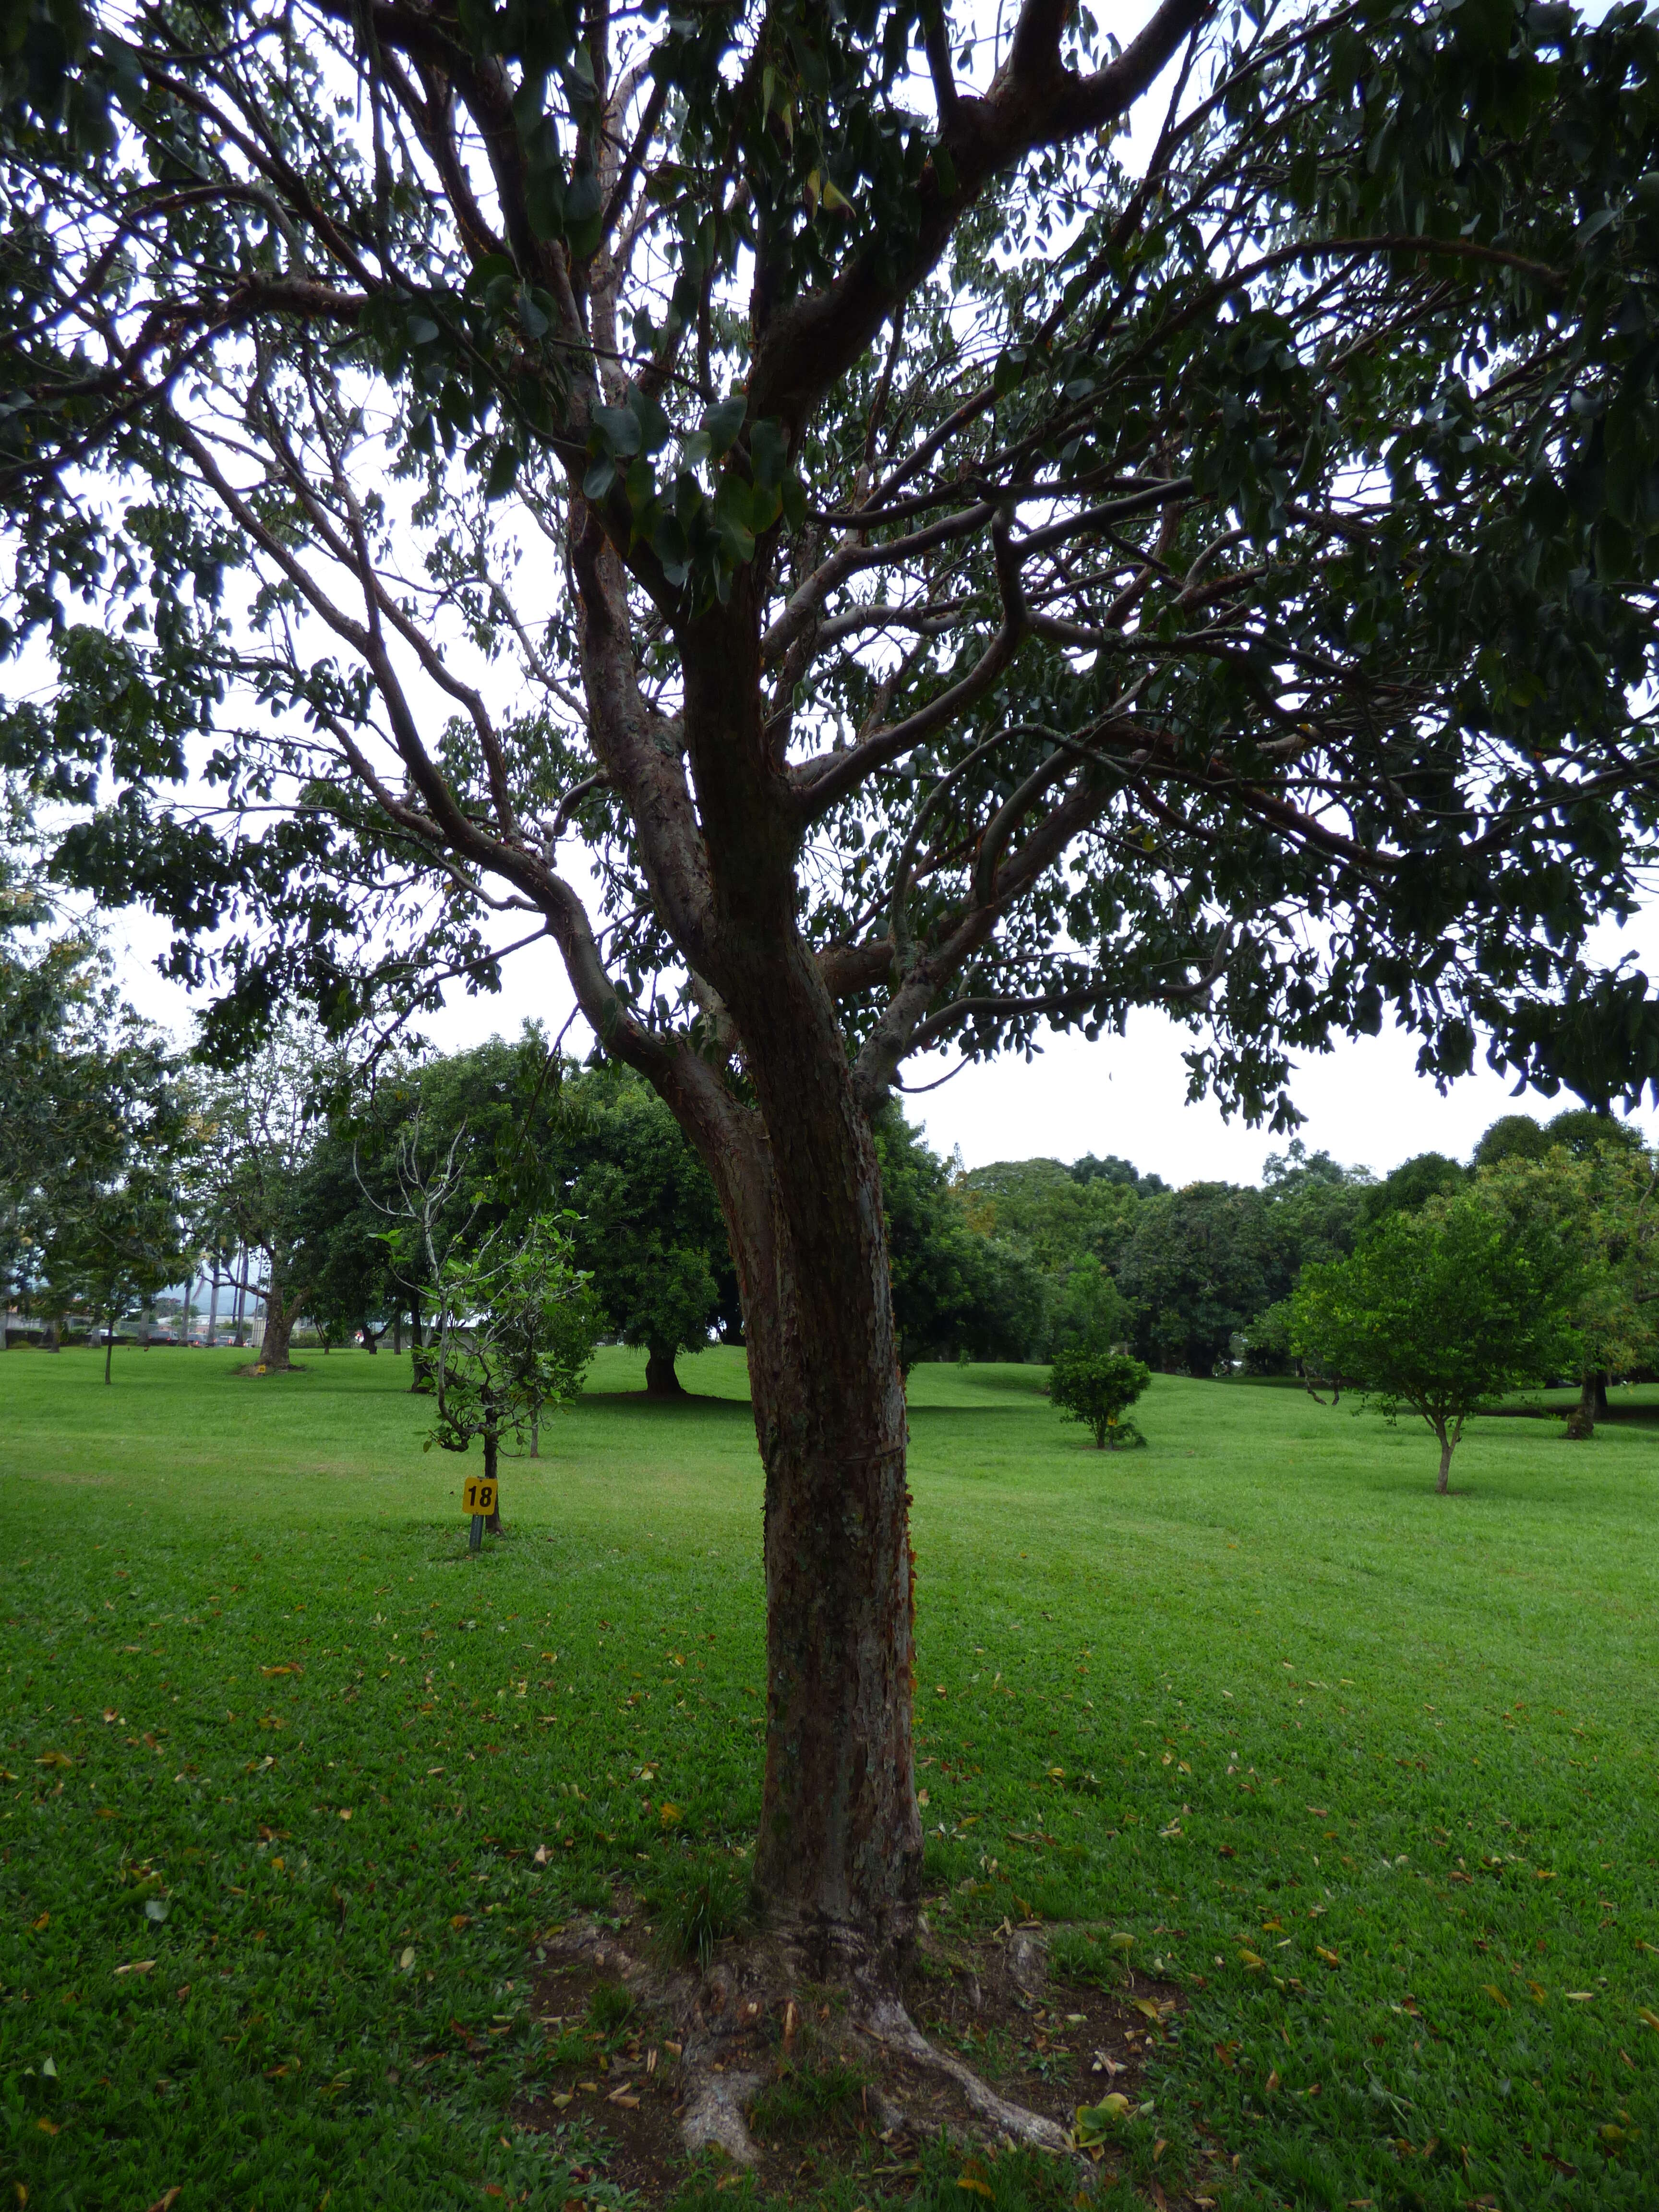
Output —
(477, 1498)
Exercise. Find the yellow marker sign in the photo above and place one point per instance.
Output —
(478, 1496)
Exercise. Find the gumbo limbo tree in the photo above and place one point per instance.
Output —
(777, 499)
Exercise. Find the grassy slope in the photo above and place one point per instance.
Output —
(1139, 1676)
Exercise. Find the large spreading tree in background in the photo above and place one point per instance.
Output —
(764, 495)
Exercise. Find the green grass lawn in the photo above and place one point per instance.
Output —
(1372, 1773)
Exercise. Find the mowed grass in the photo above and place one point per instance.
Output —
(1369, 1772)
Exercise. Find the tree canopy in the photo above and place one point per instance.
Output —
(763, 494)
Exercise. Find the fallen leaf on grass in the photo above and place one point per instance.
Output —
(1329, 1957)
(458, 1919)
(1249, 1960)
(285, 1669)
(1093, 2123)
(560, 2098)
(136, 1967)
(165, 2202)
(1648, 2018)
(1580, 1997)
(345, 1812)
(42, 1922)
(1496, 1994)
(1272, 2080)
(47, 2127)
(407, 1959)
(54, 1759)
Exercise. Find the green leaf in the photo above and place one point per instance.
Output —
(600, 477)
(723, 423)
(535, 323)
(768, 449)
(655, 428)
(731, 521)
(1010, 370)
(504, 472)
(618, 430)
(583, 208)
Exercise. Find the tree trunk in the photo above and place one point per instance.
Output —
(280, 1317)
(213, 1309)
(660, 1380)
(109, 1343)
(1602, 1396)
(397, 1332)
(838, 1860)
(536, 1433)
(1580, 1422)
(372, 1339)
(1445, 1461)
(421, 1373)
(492, 1462)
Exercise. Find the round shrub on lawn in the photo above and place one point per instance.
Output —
(1099, 1387)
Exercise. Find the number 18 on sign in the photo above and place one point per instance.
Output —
(478, 1498)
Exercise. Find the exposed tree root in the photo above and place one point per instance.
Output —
(753, 2007)
(890, 2025)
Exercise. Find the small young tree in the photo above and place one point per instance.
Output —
(516, 1330)
(1099, 1387)
(1437, 1312)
